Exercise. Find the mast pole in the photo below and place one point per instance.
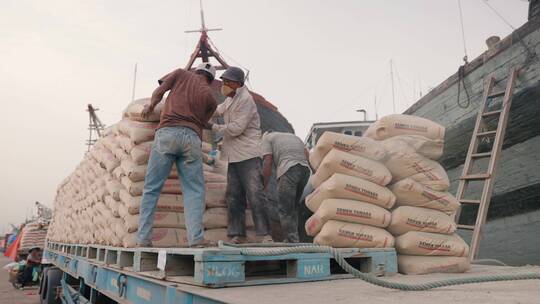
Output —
(392, 80)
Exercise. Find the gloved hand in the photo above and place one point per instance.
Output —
(212, 157)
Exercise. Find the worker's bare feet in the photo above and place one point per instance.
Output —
(204, 244)
(267, 239)
(237, 239)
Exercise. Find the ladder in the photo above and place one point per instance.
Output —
(481, 132)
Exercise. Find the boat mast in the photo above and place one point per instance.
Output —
(204, 49)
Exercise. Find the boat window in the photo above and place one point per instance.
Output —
(348, 132)
(358, 133)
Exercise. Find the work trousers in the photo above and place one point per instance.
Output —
(290, 187)
(244, 182)
(180, 146)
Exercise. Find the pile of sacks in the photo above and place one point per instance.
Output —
(99, 202)
(422, 220)
(351, 201)
(386, 185)
(33, 235)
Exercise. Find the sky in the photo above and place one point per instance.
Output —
(315, 60)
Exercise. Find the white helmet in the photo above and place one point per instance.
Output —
(207, 67)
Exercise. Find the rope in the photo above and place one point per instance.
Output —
(465, 57)
(461, 76)
(273, 249)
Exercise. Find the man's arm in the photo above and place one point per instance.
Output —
(165, 83)
(235, 128)
(268, 159)
(211, 106)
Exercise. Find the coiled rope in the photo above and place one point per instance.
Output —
(286, 248)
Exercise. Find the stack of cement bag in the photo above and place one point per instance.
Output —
(422, 220)
(100, 201)
(350, 201)
(33, 235)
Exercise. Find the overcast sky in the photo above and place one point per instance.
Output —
(315, 60)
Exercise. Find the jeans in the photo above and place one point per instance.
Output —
(244, 181)
(182, 146)
(290, 187)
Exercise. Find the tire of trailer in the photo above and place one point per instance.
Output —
(42, 282)
(51, 282)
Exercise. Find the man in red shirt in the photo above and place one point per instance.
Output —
(189, 106)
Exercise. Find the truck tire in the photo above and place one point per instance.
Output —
(42, 281)
(50, 284)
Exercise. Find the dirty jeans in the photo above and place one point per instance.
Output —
(182, 146)
(244, 181)
(290, 187)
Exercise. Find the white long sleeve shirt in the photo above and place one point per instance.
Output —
(241, 129)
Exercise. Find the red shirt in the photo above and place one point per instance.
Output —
(190, 102)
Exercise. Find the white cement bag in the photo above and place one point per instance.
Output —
(401, 124)
(419, 168)
(166, 202)
(347, 211)
(342, 162)
(426, 243)
(409, 192)
(161, 237)
(348, 235)
(361, 146)
(413, 264)
(406, 218)
(141, 152)
(430, 148)
(134, 109)
(108, 160)
(217, 218)
(125, 142)
(137, 131)
(349, 187)
(161, 220)
(113, 187)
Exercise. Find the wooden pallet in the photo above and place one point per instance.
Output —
(223, 267)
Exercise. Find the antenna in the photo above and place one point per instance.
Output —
(375, 104)
(203, 49)
(134, 83)
(392, 80)
(94, 126)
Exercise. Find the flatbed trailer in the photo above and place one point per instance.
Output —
(104, 274)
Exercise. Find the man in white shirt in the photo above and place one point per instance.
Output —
(242, 149)
(286, 153)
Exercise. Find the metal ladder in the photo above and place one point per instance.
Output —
(481, 132)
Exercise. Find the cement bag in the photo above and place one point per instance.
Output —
(426, 243)
(137, 173)
(161, 220)
(406, 218)
(137, 131)
(166, 202)
(419, 168)
(108, 160)
(118, 173)
(141, 152)
(112, 204)
(173, 186)
(134, 109)
(414, 264)
(430, 148)
(409, 192)
(361, 146)
(347, 211)
(113, 187)
(342, 162)
(401, 124)
(120, 154)
(217, 218)
(134, 188)
(348, 235)
(349, 187)
(161, 237)
(125, 142)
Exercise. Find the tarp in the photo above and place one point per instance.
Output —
(12, 250)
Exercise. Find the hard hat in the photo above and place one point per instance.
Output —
(233, 74)
(207, 67)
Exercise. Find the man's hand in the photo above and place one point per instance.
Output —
(208, 126)
(147, 110)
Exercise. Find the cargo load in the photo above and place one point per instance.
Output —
(351, 235)
(347, 211)
(426, 243)
(361, 146)
(414, 264)
(401, 124)
(409, 192)
(406, 218)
